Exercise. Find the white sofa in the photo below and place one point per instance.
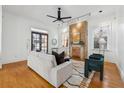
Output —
(45, 65)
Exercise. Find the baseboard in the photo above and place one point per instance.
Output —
(15, 61)
(120, 71)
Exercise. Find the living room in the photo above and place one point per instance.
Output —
(21, 28)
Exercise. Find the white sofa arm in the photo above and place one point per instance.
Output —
(61, 73)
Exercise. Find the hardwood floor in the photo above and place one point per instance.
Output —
(112, 78)
(18, 75)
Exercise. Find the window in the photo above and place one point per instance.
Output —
(39, 42)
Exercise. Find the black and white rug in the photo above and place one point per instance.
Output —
(77, 80)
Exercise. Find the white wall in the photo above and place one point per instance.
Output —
(93, 24)
(120, 31)
(0, 32)
(121, 46)
(16, 35)
(0, 26)
(60, 32)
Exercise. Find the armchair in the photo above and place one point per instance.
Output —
(95, 62)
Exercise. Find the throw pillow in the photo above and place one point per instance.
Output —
(59, 57)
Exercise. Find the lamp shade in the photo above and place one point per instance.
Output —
(102, 41)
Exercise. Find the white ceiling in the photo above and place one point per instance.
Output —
(39, 12)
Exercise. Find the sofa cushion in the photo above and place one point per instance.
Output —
(48, 57)
(59, 57)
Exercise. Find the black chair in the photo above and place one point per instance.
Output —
(96, 63)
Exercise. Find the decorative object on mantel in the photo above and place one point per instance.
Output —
(82, 43)
(78, 80)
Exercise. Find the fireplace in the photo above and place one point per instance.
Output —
(77, 52)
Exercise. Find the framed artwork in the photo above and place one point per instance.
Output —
(76, 37)
(101, 35)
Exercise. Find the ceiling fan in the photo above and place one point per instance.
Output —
(59, 18)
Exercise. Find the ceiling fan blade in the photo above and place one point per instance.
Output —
(66, 17)
(55, 20)
(51, 16)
